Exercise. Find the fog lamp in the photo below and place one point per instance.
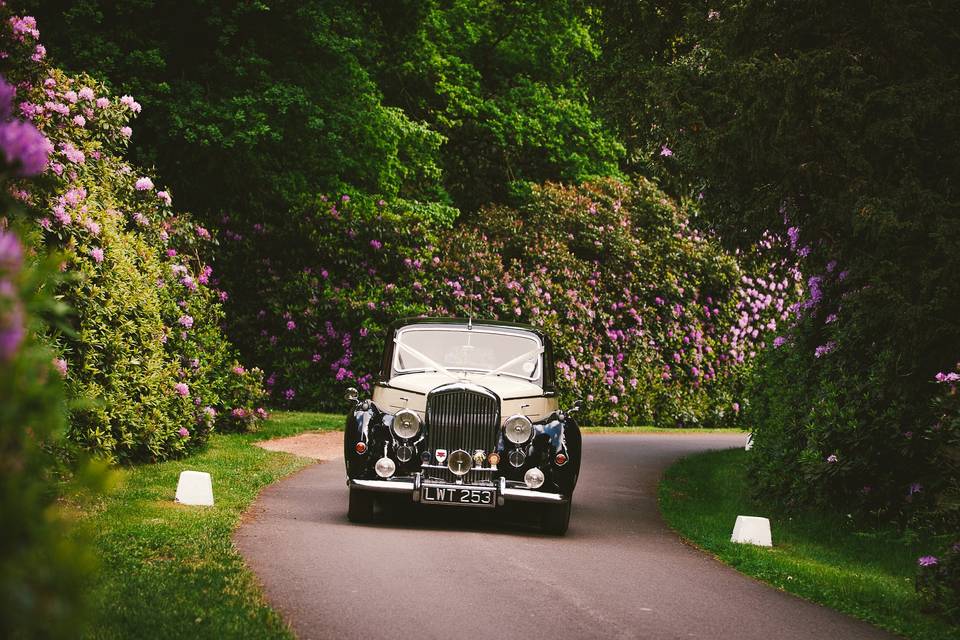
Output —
(385, 468)
(534, 478)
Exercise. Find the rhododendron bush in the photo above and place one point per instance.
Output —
(652, 320)
(143, 353)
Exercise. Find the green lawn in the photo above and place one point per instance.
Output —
(169, 570)
(648, 429)
(869, 575)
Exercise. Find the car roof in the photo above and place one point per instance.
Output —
(403, 322)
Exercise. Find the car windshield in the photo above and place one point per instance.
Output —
(483, 349)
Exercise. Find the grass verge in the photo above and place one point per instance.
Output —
(669, 431)
(869, 575)
(169, 570)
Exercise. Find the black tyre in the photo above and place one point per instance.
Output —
(361, 506)
(556, 518)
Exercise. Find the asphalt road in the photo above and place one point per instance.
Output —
(437, 572)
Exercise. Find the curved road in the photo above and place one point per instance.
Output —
(423, 572)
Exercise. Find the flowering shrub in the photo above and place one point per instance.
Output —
(938, 582)
(42, 570)
(651, 320)
(144, 350)
(872, 448)
(44, 567)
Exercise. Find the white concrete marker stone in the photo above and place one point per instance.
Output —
(752, 530)
(195, 487)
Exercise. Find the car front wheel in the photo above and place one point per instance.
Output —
(361, 506)
(556, 518)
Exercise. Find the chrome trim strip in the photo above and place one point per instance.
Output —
(402, 486)
(524, 495)
(391, 486)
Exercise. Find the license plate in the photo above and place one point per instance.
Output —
(458, 496)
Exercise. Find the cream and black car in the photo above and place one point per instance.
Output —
(464, 414)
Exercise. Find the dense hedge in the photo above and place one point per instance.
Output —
(43, 568)
(838, 122)
(653, 321)
(144, 349)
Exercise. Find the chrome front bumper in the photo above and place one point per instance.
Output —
(504, 493)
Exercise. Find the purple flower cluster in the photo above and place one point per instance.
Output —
(12, 330)
(23, 146)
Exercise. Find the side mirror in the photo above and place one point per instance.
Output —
(351, 395)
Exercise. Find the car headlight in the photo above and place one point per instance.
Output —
(533, 478)
(406, 424)
(385, 467)
(518, 428)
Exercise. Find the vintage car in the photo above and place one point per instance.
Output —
(464, 413)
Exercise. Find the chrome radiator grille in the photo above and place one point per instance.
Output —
(463, 418)
(441, 473)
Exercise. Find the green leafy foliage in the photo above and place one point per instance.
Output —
(502, 82)
(144, 351)
(43, 573)
(646, 314)
(838, 122)
(268, 101)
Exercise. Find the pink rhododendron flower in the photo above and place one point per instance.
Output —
(72, 154)
(291, 325)
(164, 197)
(181, 389)
(24, 147)
(143, 184)
(666, 151)
(928, 561)
(97, 254)
(183, 432)
(239, 370)
(186, 321)
(61, 366)
(129, 102)
(24, 26)
(126, 132)
(11, 253)
(824, 349)
(39, 53)
(832, 458)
